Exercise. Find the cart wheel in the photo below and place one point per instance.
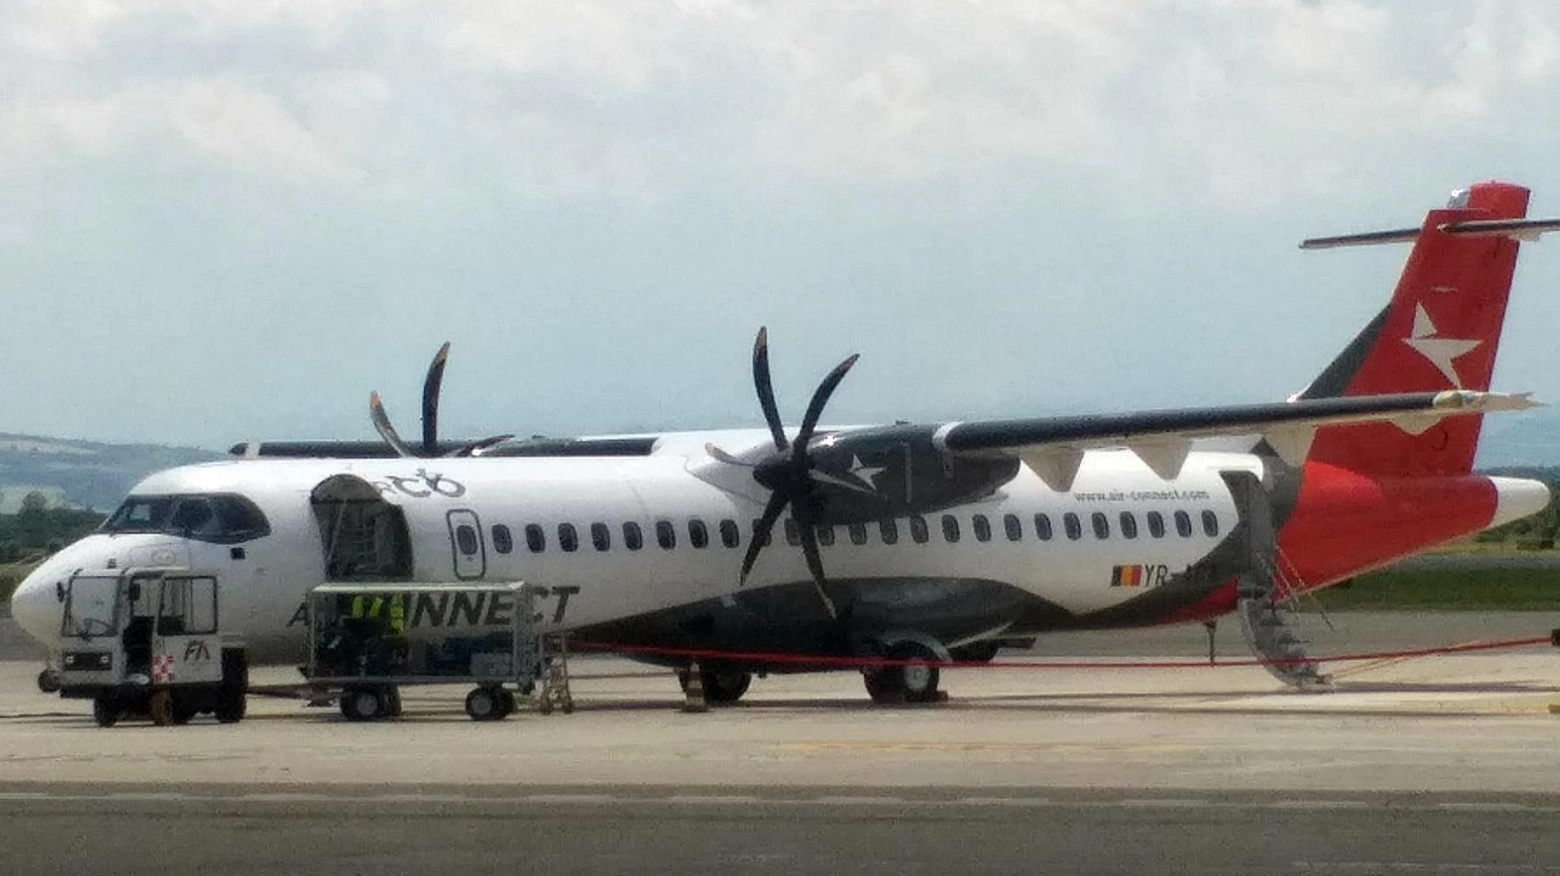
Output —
(484, 704)
(231, 705)
(506, 699)
(183, 711)
(361, 704)
(49, 681)
(106, 711)
(392, 702)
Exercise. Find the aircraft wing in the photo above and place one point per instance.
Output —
(1054, 446)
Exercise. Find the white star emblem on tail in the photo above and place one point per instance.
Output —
(1440, 351)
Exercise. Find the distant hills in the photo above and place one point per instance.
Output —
(1528, 438)
(89, 474)
(82, 474)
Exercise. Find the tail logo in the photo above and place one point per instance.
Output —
(1439, 351)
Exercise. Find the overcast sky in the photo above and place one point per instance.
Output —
(230, 220)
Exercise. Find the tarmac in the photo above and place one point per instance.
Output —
(1440, 764)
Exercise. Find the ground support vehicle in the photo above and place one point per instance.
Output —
(364, 645)
(148, 642)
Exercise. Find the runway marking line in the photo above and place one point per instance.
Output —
(913, 746)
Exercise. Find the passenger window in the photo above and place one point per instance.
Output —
(1013, 527)
(730, 535)
(858, 533)
(1073, 525)
(1210, 523)
(633, 538)
(535, 538)
(1128, 525)
(982, 528)
(825, 535)
(793, 533)
(950, 526)
(1183, 524)
(600, 536)
(503, 541)
(768, 538)
(466, 539)
(665, 534)
(918, 531)
(1043, 527)
(698, 534)
(889, 530)
(1156, 524)
(1101, 525)
(568, 539)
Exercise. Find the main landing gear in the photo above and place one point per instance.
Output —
(910, 682)
(722, 687)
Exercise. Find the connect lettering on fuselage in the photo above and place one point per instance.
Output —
(470, 609)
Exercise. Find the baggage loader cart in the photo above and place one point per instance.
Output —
(364, 642)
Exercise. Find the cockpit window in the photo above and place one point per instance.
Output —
(219, 518)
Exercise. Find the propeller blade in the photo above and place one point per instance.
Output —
(430, 407)
(475, 448)
(821, 398)
(761, 532)
(815, 563)
(376, 412)
(720, 455)
(766, 390)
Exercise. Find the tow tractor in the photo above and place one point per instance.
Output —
(147, 642)
(362, 649)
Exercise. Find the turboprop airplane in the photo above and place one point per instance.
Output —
(788, 549)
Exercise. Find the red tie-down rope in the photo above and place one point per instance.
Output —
(837, 662)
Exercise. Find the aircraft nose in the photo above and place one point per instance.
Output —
(36, 606)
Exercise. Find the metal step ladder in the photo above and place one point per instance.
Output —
(1263, 591)
(1267, 622)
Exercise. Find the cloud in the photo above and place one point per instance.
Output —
(1238, 105)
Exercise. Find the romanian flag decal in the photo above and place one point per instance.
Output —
(1127, 576)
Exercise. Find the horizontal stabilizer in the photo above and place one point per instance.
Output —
(1369, 238)
(1515, 229)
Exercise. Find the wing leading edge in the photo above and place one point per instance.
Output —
(1053, 447)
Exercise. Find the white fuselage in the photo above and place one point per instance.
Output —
(264, 581)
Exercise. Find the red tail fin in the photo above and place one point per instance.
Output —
(1440, 331)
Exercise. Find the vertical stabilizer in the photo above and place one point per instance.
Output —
(1440, 331)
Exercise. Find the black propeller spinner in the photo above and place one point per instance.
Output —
(788, 473)
(430, 418)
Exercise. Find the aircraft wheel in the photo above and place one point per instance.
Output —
(107, 711)
(484, 704)
(910, 683)
(919, 680)
(49, 681)
(361, 704)
(883, 685)
(722, 687)
(160, 707)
